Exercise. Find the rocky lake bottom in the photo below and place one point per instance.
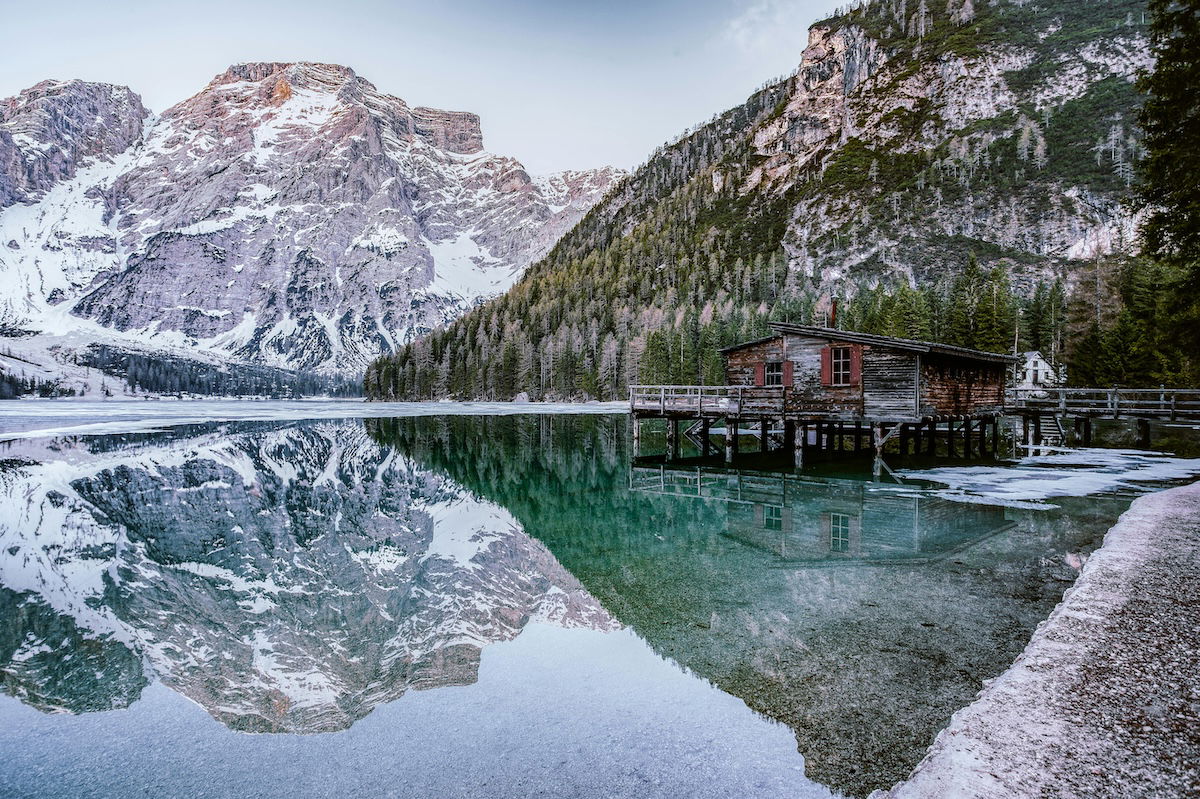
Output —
(299, 599)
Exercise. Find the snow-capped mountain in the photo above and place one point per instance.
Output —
(287, 578)
(287, 214)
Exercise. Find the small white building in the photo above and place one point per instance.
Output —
(1037, 372)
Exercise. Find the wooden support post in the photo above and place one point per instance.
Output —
(789, 434)
(1143, 426)
(966, 430)
(858, 436)
(672, 439)
(995, 436)
(877, 434)
(637, 436)
(951, 450)
(730, 439)
(1037, 429)
(799, 441)
(1087, 431)
(764, 443)
(705, 442)
(931, 443)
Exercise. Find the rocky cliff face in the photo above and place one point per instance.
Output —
(289, 214)
(334, 576)
(49, 130)
(1012, 127)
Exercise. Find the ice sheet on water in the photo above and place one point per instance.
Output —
(37, 418)
(1032, 480)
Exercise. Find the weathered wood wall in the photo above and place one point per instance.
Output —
(952, 386)
(807, 393)
(889, 383)
(739, 364)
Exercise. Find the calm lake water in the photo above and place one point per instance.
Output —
(492, 606)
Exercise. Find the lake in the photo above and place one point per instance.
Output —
(466, 601)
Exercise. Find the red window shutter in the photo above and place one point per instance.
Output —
(788, 376)
(760, 374)
(855, 365)
(826, 366)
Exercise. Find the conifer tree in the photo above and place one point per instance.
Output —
(1167, 188)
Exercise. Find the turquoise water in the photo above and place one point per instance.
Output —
(491, 606)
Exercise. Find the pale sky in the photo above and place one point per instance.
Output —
(559, 85)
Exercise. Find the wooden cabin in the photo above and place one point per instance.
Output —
(826, 373)
(801, 377)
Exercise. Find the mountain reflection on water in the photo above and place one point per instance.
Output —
(287, 580)
(291, 577)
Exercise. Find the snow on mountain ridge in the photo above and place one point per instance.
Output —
(288, 214)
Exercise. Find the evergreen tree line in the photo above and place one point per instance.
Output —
(162, 374)
(13, 386)
(976, 309)
(1144, 343)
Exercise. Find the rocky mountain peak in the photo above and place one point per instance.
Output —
(295, 71)
(48, 130)
(288, 214)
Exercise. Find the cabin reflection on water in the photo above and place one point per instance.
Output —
(827, 521)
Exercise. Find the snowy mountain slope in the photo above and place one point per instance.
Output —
(287, 214)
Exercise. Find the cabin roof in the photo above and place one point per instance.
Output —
(750, 343)
(889, 342)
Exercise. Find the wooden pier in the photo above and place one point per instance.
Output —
(768, 414)
(1046, 413)
(698, 412)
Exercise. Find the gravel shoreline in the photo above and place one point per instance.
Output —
(1105, 699)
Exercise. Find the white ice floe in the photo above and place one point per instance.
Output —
(1032, 480)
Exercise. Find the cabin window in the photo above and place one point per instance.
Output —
(839, 532)
(840, 359)
(772, 518)
(774, 373)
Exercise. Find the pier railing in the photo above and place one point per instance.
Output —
(726, 400)
(1169, 404)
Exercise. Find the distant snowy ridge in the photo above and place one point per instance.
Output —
(289, 214)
